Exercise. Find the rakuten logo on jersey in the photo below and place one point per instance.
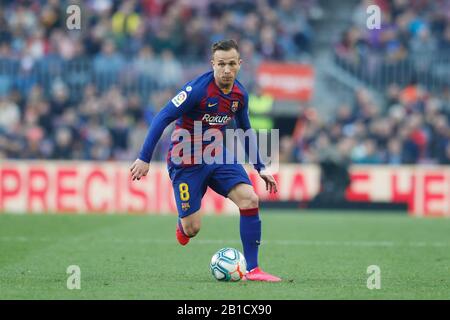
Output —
(216, 120)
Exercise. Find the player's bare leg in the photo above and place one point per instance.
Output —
(246, 199)
(188, 227)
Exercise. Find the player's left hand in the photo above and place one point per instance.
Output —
(271, 184)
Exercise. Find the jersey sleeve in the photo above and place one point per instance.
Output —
(243, 122)
(182, 103)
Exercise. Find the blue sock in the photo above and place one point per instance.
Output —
(250, 229)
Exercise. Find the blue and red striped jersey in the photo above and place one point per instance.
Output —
(200, 101)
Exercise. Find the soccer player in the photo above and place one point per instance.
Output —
(213, 99)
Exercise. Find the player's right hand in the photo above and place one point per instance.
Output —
(139, 169)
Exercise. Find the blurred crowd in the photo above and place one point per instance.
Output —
(412, 128)
(413, 40)
(91, 93)
(404, 58)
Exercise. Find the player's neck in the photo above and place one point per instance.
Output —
(225, 90)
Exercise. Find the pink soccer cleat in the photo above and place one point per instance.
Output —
(181, 237)
(258, 275)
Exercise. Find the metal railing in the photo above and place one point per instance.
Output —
(432, 71)
(78, 73)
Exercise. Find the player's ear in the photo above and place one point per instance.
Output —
(239, 64)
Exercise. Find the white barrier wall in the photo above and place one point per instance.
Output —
(106, 187)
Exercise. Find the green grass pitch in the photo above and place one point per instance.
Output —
(319, 256)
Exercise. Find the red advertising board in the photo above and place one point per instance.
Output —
(426, 189)
(286, 81)
(89, 187)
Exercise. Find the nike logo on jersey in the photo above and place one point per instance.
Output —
(211, 104)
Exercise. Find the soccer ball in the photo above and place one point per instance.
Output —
(228, 264)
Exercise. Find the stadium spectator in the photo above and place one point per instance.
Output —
(9, 114)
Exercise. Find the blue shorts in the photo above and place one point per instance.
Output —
(190, 183)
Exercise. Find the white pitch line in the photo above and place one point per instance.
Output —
(354, 243)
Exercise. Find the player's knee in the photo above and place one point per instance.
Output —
(249, 201)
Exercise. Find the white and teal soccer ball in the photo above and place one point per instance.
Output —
(228, 264)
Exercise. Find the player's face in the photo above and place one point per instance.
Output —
(226, 65)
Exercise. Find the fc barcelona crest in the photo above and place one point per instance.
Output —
(234, 106)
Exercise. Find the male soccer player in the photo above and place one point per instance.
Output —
(213, 99)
